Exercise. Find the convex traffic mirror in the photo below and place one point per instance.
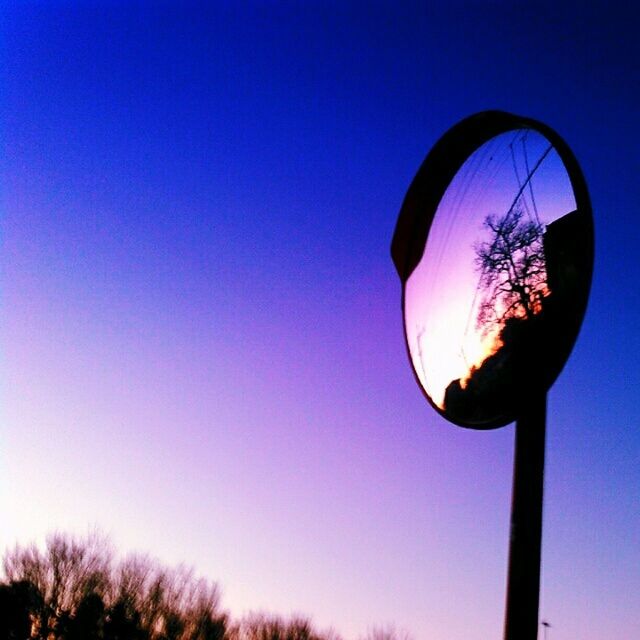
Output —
(494, 247)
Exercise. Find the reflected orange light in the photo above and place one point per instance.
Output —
(489, 346)
(435, 363)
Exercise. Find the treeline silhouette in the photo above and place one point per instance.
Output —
(76, 590)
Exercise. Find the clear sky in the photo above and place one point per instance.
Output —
(201, 335)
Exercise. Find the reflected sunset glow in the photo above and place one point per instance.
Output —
(517, 173)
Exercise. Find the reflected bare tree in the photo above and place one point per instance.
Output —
(513, 276)
(515, 305)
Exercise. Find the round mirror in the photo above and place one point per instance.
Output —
(494, 246)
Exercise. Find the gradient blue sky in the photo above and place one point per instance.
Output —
(201, 331)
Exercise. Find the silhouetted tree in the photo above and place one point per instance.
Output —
(88, 620)
(76, 592)
(386, 633)
(73, 590)
(210, 628)
(17, 602)
(64, 574)
(512, 269)
(205, 622)
(122, 622)
(270, 627)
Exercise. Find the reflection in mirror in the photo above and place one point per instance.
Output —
(497, 294)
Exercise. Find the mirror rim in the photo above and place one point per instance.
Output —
(427, 190)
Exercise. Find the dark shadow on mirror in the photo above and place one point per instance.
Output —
(534, 282)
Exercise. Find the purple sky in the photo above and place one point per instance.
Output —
(201, 334)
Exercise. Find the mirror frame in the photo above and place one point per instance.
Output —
(429, 186)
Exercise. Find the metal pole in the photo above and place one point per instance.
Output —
(546, 626)
(523, 581)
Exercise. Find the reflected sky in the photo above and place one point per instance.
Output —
(443, 294)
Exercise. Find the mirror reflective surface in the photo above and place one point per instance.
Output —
(492, 308)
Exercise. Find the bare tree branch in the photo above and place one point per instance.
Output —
(512, 269)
